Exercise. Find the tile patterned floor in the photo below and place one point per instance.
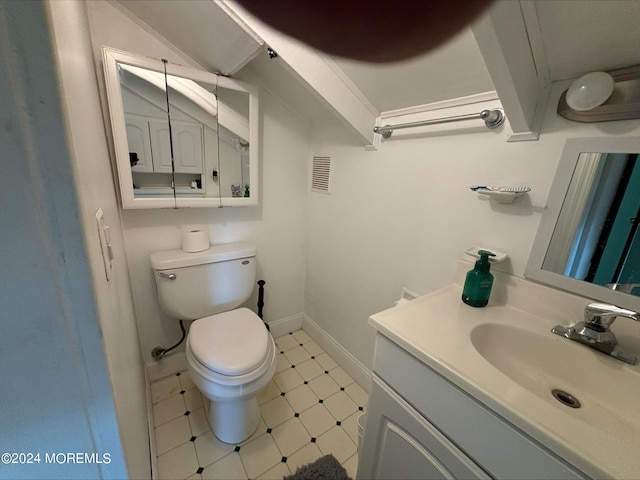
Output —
(309, 409)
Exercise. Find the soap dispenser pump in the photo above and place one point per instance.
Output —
(478, 283)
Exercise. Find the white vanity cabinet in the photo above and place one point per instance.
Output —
(408, 446)
(422, 426)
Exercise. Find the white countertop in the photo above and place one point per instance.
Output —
(436, 329)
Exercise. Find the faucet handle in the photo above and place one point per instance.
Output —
(600, 316)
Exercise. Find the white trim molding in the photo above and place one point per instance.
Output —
(286, 325)
(354, 367)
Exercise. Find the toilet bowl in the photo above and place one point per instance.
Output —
(230, 353)
(231, 356)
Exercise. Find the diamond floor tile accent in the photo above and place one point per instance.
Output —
(307, 410)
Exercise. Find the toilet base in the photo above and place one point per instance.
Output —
(233, 421)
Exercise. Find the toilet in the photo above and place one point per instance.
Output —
(230, 353)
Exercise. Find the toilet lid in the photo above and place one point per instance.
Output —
(230, 343)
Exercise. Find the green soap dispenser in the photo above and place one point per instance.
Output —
(478, 283)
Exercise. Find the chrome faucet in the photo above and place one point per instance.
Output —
(595, 330)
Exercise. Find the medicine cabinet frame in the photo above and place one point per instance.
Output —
(573, 148)
(112, 58)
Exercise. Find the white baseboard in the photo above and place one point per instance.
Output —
(150, 423)
(285, 325)
(341, 355)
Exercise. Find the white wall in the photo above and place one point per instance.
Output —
(275, 226)
(95, 189)
(404, 214)
(56, 395)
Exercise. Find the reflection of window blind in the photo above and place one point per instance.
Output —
(321, 175)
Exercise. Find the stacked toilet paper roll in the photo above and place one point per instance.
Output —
(195, 241)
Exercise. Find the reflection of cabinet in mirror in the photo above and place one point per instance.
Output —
(149, 138)
(194, 134)
(161, 163)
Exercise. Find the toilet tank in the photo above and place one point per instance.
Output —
(194, 285)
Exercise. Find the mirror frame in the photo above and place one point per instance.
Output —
(570, 154)
(111, 57)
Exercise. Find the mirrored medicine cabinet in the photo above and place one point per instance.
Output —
(182, 137)
(589, 237)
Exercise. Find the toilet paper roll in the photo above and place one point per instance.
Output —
(195, 241)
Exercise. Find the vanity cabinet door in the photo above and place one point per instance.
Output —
(502, 449)
(400, 444)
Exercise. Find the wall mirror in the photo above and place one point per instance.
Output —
(182, 137)
(589, 237)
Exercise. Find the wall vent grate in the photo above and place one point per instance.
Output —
(321, 175)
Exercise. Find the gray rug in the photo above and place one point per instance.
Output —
(325, 468)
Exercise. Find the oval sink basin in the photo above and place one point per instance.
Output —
(607, 390)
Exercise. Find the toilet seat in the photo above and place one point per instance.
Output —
(231, 345)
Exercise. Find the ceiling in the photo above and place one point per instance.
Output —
(586, 36)
(570, 38)
(455, 69)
